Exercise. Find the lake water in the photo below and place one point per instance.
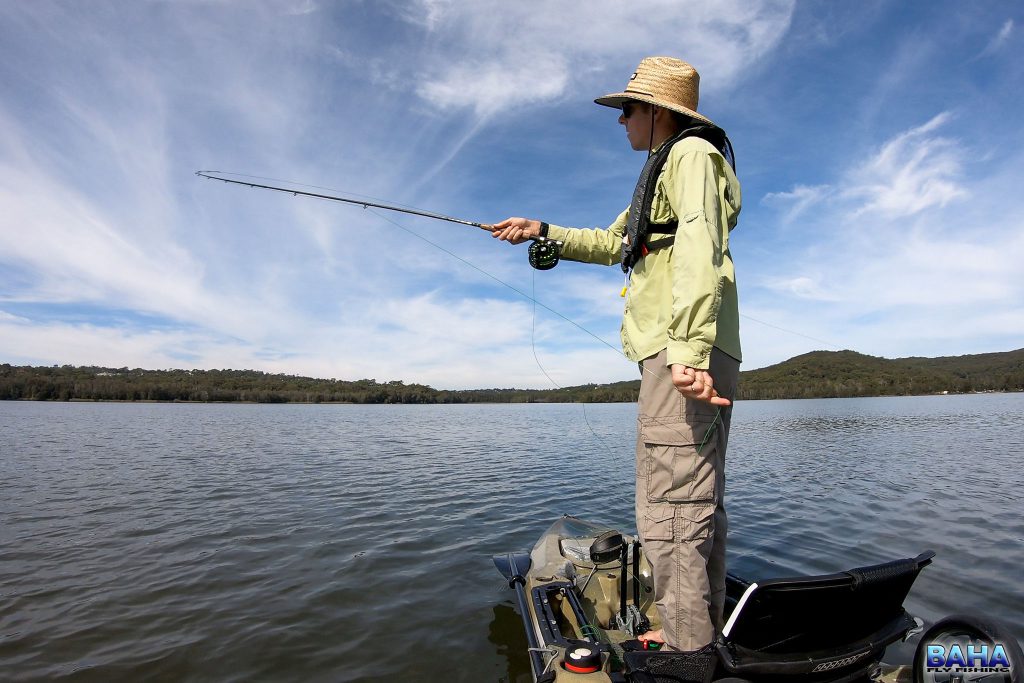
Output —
(185, 542)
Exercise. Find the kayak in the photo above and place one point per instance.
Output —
(585, 593)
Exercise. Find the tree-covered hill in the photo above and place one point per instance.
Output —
(812, 375)
(67, 382)
(829, 374)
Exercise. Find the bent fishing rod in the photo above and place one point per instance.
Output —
(543, 252)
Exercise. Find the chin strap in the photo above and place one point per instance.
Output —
(650, 142)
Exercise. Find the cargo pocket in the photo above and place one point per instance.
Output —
(656, 524)
(677, 468)
(677, 522)
(694, 522)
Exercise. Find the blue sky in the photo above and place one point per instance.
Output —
(879, 145)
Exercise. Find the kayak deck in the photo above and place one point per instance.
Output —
(584, 587)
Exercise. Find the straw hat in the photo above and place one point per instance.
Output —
(662, 81)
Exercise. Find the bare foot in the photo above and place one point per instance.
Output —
(652, 636)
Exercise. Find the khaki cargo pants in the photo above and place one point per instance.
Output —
(680, 511)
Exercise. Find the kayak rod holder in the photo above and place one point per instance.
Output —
(636, 573)
(623, 579)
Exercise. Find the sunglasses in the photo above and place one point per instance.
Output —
(628, 108)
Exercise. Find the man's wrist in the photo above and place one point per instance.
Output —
(543, 229)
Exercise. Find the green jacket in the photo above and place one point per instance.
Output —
(683, 297)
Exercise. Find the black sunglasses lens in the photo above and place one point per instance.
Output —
(627, 109)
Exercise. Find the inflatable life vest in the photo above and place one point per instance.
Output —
(638, 224)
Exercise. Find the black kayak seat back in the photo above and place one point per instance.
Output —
(813, 613)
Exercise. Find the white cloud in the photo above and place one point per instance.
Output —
(900, 268)
(913, 171)
(910, 173)
(80, 251)
(492, 55)
(999, 40)
(493, 58)
(488, 87)
(7, 317)
(443, 343)
(802, 287)
(798, 200)
(301, 7)
(426, 13)
(1004, 34)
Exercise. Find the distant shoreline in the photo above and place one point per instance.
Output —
(819, 374)
(352, 403)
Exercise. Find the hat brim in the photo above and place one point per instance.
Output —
(615, 101)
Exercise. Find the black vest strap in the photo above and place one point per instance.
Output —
(668, 229)
(665, 228)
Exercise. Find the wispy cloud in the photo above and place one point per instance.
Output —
(474, 65)
(899, 257)
(301, 7)
(488, 87)
(798, 200)
(912, 172)
(999, 40)
(7, 317)
(441, 342)
(556, 50)
(803, 287)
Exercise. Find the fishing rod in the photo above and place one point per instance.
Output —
(543, 252)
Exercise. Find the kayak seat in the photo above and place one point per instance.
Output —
(801, 625)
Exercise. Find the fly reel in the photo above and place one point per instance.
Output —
(544, 253)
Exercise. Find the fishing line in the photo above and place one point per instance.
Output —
(543, 258)
(533, 334)
(540, 258)
(783, 329)
(418, 212)
(535, 304)
(533, 347)
(498, 280)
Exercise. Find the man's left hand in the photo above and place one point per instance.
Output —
(697, 384)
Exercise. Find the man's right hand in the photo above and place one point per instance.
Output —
(516, 230)
(697, 384)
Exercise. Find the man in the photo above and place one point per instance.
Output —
(681, 323)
